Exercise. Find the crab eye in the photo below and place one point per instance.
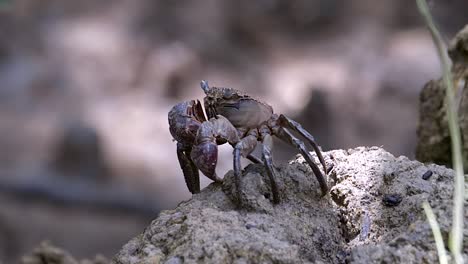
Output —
(204, 85)
(228, 94)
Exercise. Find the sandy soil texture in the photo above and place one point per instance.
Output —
(372, 215)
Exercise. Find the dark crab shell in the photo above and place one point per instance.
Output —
(241, 110)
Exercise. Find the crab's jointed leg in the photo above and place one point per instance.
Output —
(254, 159)
(267, 143)
(288, 137)
(288, 122)
(244, 147)
(192, 178)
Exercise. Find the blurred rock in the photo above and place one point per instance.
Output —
(352, 224)
(79, 153)
(46, 253)
(434, 143)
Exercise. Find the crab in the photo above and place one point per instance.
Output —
(242, 121)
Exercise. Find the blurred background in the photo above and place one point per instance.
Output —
(86, 157)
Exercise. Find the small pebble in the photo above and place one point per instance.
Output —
(249, 226)
(392, 199)
(427, 175)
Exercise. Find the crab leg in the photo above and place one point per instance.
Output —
(284, 134)
(192, 178)
(267, 143)
(244, 147)
(254, 159)
(286, 121)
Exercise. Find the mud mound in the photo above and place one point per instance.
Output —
(433, 132)
(373, 214)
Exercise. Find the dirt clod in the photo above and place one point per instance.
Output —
(427, 175)
(350, 225)
(392, 199)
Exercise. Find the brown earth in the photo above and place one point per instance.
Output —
(373, 215)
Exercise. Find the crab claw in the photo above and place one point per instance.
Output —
(205, 157)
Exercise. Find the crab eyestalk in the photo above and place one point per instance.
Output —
(209, 108)
(204, 85)
(205, 157)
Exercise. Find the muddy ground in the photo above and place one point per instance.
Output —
(373, 214)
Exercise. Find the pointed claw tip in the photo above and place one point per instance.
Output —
(217, 179)
(204, 85)
(205, 156)
(324, 188)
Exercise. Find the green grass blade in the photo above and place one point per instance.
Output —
(437, 234)
(456, 235)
